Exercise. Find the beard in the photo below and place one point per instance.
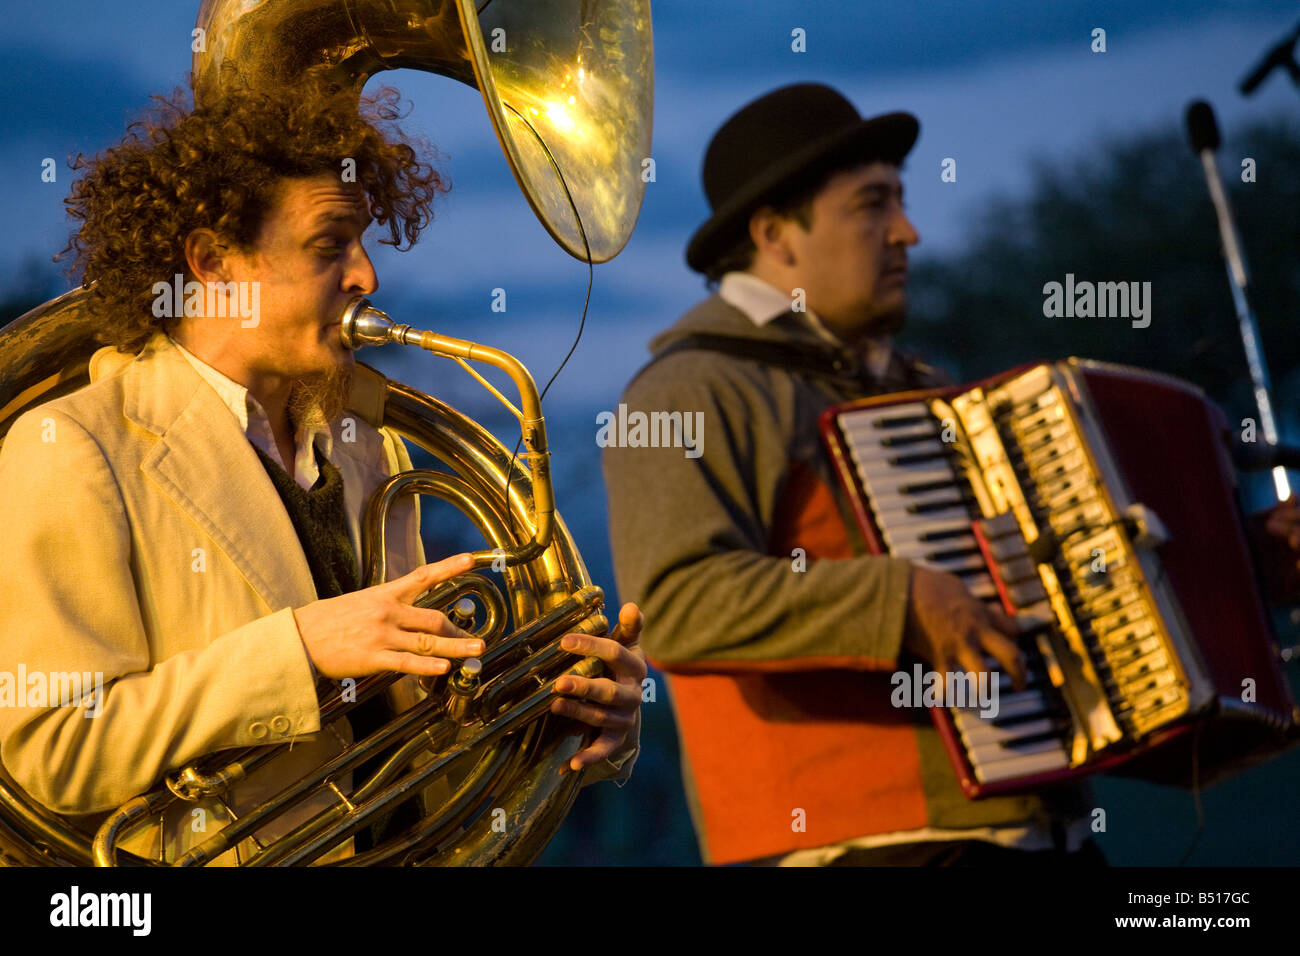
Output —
(890, 322)
(318, 399)
(878, 325)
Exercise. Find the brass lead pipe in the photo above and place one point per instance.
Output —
(364, 325)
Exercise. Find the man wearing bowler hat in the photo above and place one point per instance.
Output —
(779, 632)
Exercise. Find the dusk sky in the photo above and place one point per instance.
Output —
(997, 86)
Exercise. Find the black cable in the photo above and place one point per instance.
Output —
(582, 324)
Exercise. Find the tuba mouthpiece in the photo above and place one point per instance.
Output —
(364, 325)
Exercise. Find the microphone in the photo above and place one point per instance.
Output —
(1202, 128)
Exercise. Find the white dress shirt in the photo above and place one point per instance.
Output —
(764, 302)
(313, 431)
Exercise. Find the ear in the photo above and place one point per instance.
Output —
(208, 256)
(770, 233)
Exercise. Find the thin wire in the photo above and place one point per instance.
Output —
(582, 324)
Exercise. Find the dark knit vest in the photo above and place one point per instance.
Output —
(319, 518)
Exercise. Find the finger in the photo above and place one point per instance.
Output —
(410, 586)
(411, 664)
(591, 714)
(630, 624)
(623, 662)
(1003, 621)
(1008, 654)
(941, 657)
(970, 660)
(432, 645)
(410, 618)
(600, 690)
(604, 747)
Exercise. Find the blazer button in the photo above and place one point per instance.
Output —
(257, 729)
(280, 724)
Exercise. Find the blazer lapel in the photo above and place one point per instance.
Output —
(205, 464)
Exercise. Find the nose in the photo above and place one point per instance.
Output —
(901, 231)
(360, 278)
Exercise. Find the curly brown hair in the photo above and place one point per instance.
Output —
(219, 167)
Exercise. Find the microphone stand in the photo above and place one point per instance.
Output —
(1203, 132)
(1283, 55)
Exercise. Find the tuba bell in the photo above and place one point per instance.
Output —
(568, 87)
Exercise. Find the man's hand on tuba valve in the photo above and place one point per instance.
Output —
(378, 629)
(615, 700)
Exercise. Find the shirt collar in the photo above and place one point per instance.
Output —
(763, 303)
(248, 411)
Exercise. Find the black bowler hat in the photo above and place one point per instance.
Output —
(783, 137)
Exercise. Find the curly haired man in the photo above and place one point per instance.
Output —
(188, 525)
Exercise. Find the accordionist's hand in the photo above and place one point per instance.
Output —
(953, 631)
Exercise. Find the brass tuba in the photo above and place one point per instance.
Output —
(568, 85)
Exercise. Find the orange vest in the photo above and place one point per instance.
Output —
(787, 755)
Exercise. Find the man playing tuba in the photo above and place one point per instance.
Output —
(188, 525)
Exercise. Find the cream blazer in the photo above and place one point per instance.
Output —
(144, 541)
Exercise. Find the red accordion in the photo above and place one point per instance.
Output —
(1098, 505)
